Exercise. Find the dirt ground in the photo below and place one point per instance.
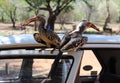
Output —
(88, 58)
(6, 29)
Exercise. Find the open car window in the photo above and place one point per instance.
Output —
(29, 66)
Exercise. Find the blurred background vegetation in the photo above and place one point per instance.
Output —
(103, 13)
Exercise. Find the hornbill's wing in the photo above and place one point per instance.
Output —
(38, 38)
(74, 44)
(66, 38)
(51, 35)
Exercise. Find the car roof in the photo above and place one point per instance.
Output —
(103, 38)
(27, 41)
(28, 38)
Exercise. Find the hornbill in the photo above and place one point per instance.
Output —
(45, 36)
(72, 41)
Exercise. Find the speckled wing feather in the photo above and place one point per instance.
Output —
(52, 35)
(65, 40)
(38, 38)
(74, 44)
(51, 38)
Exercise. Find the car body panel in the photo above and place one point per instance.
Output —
(28, 38)
(24, 46)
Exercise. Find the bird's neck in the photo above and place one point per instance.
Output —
(78, 30)
(42, 24)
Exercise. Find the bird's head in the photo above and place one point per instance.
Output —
(82, 26)
(33, 19)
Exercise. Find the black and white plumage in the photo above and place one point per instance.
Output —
(45, 36)
(72, 41)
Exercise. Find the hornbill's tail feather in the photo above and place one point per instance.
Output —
(55, 64)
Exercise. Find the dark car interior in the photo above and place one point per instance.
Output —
(109, 59)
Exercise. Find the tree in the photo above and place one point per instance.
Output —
(2, 16)
(34, 6)
(65, 17)
(53, 7)
(90, 8)
(10, 10)
(107, 20)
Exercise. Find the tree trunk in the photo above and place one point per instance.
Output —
(12, 20)
(106, 22)
(108, 15)
(36, 13)
(26, 68)
(90, 7)
(35, 29)
(51, 22)
(13, 17)
(108, 10)
(89, 15)
(2, 18)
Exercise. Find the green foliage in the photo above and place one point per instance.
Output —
(79, 9)
(34, 4)
(50, 4)
(8, 8)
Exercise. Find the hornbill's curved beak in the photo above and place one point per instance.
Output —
(35, 18)
(90, 25)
